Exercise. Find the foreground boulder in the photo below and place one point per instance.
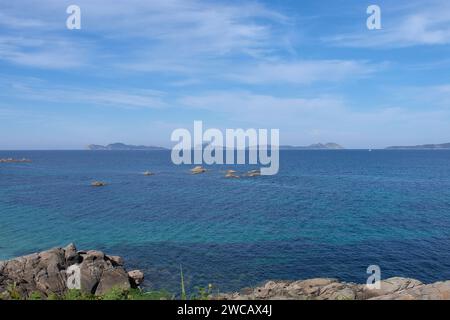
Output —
(57, 270)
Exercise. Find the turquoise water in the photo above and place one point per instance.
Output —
(327, 213)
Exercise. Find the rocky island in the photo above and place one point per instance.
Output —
(122, 147)
(442, 146)
(57, 271)
(316, 146)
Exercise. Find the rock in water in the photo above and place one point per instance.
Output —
(253, 173)
(98, 184)
(57, 270)
(198, 170)
(231, 174)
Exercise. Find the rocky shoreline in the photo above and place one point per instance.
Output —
(332, 289)
(56, 271)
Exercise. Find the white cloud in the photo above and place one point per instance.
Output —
(188, 38)
(428, 96)
(38, 90)
(304, 72)
(47, 53)
(190, 26)
(427, 24)
(191, 39)
(246, 101)
(327, 118)
(9, 21)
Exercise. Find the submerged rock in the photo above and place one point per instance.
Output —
(57, 270)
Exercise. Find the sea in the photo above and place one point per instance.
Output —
(327, 213)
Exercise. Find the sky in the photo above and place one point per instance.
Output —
(137, 70)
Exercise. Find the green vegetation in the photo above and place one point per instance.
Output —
(183, 290)
(203, 293)
(118, 294)
(136, 294)
(113, 294)
(36, 295)
(74, 294)
(53, 296)
(13, 292)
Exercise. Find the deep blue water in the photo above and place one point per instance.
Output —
(327, 213)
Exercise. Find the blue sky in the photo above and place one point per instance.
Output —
(139, 69)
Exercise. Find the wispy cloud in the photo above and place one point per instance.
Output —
(178, 30)
(328, 118)
(195, 27)
(425, 24)
(251, 63)
(38, 90)
(436, 97)
(304, 72)
(46, 53)
(13, 22)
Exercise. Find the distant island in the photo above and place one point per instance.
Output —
(422, 147)
(317, 146)
(12, 160)
(122, 146)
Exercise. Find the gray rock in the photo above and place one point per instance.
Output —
(388, 286)
(332, 289)
(136, 277)
(435, 291)
(113, 278)
(48, 272)
(116, 260)
(71, 255)
(91, 270)
(90, 274)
